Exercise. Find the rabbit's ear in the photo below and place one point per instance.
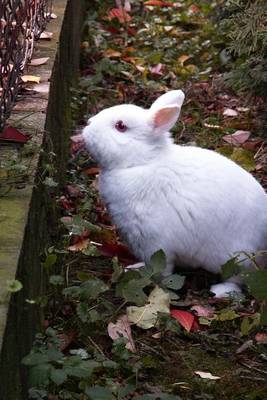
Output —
(164, 118)
(174, 97)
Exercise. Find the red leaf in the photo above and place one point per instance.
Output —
(11, 134)
(120, 14)
(117, 250)
(66, 339)
(158, 3)
(185, 318)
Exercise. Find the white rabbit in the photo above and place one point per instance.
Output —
(195, 204)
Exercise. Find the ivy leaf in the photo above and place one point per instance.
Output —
(133, 291)
(13, 285)
(92, 288)
(174, 282)
(39, 375)
(257, 283)
(56, 280)
(58, 376)
(230, 268)
(99, 393)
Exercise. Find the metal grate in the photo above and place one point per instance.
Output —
(21, 22)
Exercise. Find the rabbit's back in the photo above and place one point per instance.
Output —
(195, 204)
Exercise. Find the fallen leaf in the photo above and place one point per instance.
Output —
(46, 35)
(194, 9)
(158, 3)
(120, 14)
(183, 58)
(206, 375)
(41, 87)
(229, 112)
(30, 78)
(38, 61)
(112, 53)
(239, 137)
(10, 134)
(79, 246)
(122, 328)
(185, 318)
(157, 69)
(146, 317)
(201, 311)
(261, 338)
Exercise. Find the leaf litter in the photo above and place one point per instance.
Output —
(173, 322)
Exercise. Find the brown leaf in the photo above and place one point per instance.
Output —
(239, 137)
(42, 87)
(79, 246)
(46, 35)
(30, 78)
(38, 61)
(229, 112)
(261, 338)
(206, 312)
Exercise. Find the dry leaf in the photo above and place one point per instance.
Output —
(239, 137)
(79, 246)
(46, 35)
(112, 53)
(146, 317)
(183, 58)
(42, 87)
(261, 338)
(207, 375)
(206, 312)
(229, 112)
(122, 328)
(38, 61)
(30, 78)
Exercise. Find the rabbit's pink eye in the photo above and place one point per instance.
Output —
(120, 126)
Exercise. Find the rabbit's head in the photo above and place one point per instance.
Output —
(126, 135)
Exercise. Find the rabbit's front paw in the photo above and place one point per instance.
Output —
(225, 289)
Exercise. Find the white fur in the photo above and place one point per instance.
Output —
(195, 204)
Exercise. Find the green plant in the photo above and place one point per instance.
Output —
(245, 30)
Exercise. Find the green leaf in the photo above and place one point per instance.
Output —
(257, 283)
(35, 359)
(264, 316)
(49, 261)
(230, 268)
(99, 393)
(248, 323)
(158, 262)
(174, 282)
(54, 354)
(58, 376)
(13, 285)
(117, 270)
(39, 375)
(83, 311)
(50, 182)
(92, 288)
(133, 291)
(227, 315)
(125, 391)
(158, 396)
(125, 279)
(56, 280)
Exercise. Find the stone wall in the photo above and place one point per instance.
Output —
(33, 219)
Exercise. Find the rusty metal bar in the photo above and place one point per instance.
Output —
(21, 23)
